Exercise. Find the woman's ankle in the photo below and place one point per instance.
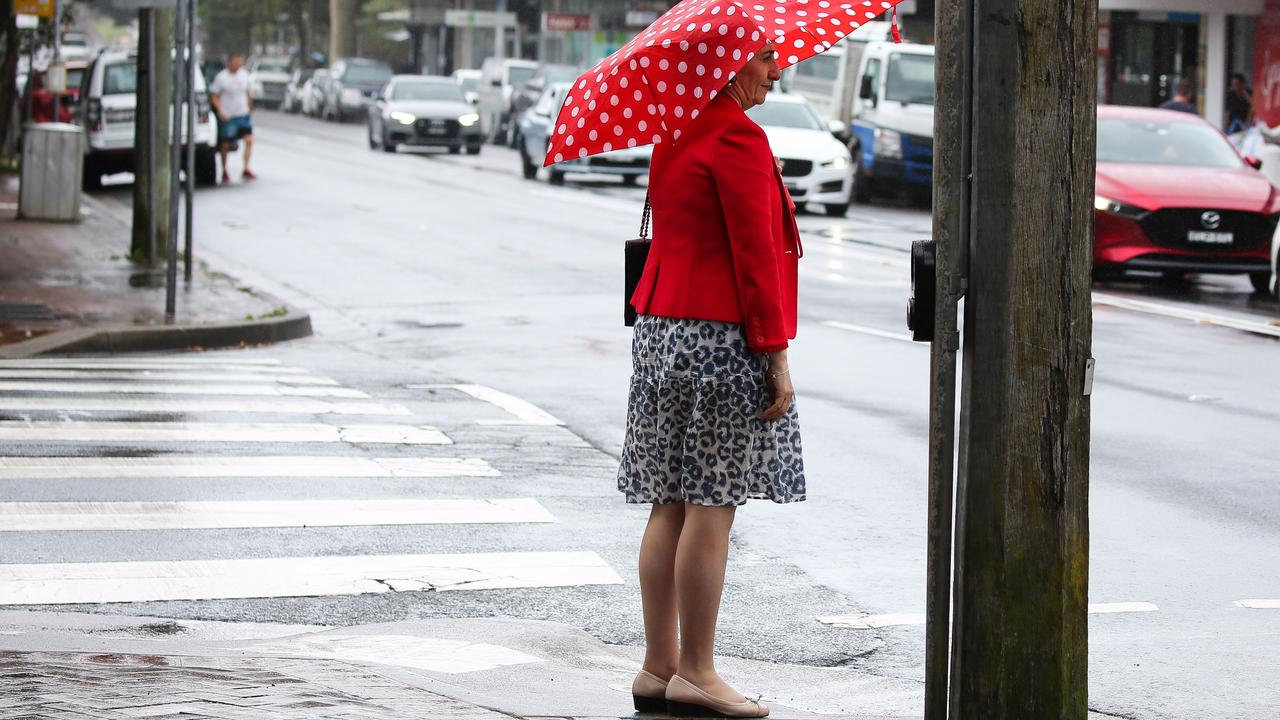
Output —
(661, 669)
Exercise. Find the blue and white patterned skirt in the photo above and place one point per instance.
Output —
(692, 431)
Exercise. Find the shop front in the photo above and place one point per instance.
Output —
(581, 32)
(1146, 46)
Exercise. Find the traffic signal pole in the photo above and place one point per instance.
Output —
(1019, 642)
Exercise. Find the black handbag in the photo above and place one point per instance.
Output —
(637, 254)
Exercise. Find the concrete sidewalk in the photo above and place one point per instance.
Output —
(68, 287)
(65, 665)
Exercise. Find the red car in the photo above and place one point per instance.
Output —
(1174, 196)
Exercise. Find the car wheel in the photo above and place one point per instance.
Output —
(630, 180)
(92, 178)
(527, 167)
(1261, 282)
(387, 145)
(455, 149)
(556, 177)
(206, 167)
(473, 149)
(861, 187)
(836, 209)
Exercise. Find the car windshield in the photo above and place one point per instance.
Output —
(425, 91)
(910, 79)
(74, 77)
(787, 115)
(517, 75)
(1164, 143)
(272, 67)
(120, 79)
(367, 74)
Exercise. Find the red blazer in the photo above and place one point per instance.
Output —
(725, 243)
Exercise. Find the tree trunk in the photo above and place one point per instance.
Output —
(1023, 537)
(342, 28)
(12, 40)
(151, 135)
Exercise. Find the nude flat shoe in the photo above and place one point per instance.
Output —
(684, 699)
(649, 692)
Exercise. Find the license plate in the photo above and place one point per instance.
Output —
(1210, 238)
(437, 128)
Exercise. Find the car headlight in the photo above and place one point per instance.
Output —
(888, 144)
(403, 118)
(838, 162)
(350, 94)
(469, 119)
(1115, 207)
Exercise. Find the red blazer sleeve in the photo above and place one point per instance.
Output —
(742, 167)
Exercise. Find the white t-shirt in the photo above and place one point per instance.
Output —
(232, 89)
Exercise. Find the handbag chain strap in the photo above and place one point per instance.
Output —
(644, 220)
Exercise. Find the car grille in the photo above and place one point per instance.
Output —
(1169, 228)
(796, 168)
(443, 128)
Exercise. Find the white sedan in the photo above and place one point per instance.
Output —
(815, 164)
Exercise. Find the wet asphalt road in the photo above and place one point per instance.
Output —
(430, 269)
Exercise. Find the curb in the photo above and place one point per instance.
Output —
(113, 339)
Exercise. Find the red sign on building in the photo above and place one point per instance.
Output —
(1266, 73)
(559, 22)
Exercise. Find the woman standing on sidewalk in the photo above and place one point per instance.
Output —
(711, 420)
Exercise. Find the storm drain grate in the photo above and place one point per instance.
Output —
(26, 312)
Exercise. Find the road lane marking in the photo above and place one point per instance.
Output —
(872, 622)
(178, 389)
(220, 466)
(107, 431)
(168, 360)
(1258, 604)
(1271, 329)
(872, 331)
(60, 516)
(69, 364)
(525, 413)
(153, 375)
(300, 406)
(146, 581)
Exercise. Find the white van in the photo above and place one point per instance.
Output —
(499, 77)
(883, 92)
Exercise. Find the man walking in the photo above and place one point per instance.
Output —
(1183, 101)
(229, 94)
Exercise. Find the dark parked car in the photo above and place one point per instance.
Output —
(424, 111)
(527, 94)
(352, 86)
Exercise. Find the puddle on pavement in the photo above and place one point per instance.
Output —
(146, 280)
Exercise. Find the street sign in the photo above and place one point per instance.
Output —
(39, 8)
(142, 4)
(561, 22)
(27, 22)
(478, 18)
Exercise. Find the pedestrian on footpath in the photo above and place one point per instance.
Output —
(1239, 105)
(229, 93)
(711, 420)
(1183, 101)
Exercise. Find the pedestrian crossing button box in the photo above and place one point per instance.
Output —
(924, 292)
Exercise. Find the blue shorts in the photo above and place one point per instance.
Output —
(235, 128)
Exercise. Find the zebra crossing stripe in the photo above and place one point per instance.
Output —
(871, 622)
(34, 386)
(105, 431)
(181, 361)
(146, 581)
(285, 406)
(524, 412)
(61, 516)
(153, 375)
(222, 466)
(1258, 604)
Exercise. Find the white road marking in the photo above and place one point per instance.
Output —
(1258, 604)
(178, 389)
(526, 413)
(437, 655)
(872, 331)
(1194, 315)
(153, 375)
(221, 466)
(303, 406)
(72, 364)
(58, 516)
(144, 581)
(106, 431)
(870, 622)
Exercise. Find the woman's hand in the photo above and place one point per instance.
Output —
(781, 393)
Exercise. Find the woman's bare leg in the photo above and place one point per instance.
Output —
(700, 563)
(658, 588)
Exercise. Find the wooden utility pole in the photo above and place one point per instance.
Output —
(342, 28)
(151, 136)
(1020, 643)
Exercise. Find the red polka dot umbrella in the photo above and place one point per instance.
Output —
(657, 83)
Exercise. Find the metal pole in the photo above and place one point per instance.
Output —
(175, 163)
(150, 110)
(57, 54)
(31, 73)
(192, 67)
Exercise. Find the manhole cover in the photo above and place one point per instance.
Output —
(26, 312)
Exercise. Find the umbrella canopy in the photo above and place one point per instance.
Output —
(657, 83)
